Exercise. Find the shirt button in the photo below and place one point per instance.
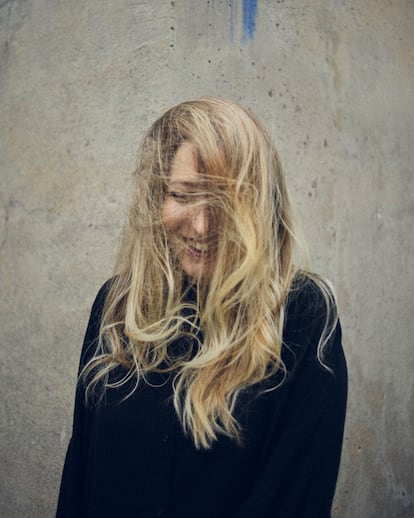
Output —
(165, 439)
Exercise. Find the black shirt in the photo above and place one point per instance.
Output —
(130, 458)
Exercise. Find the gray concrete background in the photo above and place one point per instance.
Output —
(79, 83)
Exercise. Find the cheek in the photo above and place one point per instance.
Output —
(172, 215)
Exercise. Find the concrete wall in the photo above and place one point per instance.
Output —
(79, 83)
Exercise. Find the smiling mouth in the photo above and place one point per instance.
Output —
(197, 248)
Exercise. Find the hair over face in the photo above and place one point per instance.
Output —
(235, 317)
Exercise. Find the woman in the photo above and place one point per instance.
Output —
(212, 378)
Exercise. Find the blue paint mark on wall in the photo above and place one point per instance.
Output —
(232, 17)
(249, 19)
(249, 12)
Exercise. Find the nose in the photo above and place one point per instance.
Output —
(200, 221)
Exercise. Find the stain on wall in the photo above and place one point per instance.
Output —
(248, 21)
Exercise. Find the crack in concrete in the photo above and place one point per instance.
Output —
(6, 226)
(6, 2)
(6, 47)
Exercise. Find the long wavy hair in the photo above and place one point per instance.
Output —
(235, 317)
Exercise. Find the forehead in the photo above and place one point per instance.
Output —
(184, 168)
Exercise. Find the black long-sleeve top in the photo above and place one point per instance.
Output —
(130, 458)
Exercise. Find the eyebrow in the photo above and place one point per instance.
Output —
(185, 184)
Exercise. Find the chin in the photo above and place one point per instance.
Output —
(197, 272)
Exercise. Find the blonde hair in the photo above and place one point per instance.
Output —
(234, 319)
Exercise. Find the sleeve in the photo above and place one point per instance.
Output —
(72, 495)
(302, 454)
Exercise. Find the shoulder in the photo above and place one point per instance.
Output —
(312, 327)
(103, 293)
(99, 301)
(92, 331)
(311, 297)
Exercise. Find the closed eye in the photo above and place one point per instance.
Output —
(181, 197)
